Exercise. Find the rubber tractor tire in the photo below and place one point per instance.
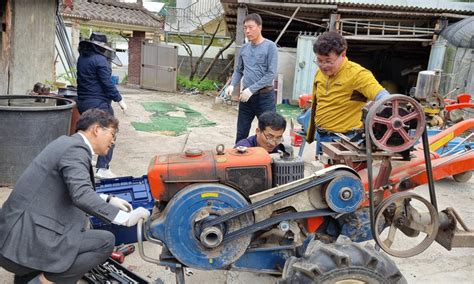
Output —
(463, 177)
(341, 262)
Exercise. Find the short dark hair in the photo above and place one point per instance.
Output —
(95, 115)
(271, 119)
(254, 17)
(328, 42)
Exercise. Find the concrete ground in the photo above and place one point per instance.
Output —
(135, 149)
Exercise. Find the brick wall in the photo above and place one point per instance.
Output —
(134, 57)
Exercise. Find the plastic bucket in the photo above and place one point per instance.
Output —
(27, 125)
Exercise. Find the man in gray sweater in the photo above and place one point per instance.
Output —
(257, 67)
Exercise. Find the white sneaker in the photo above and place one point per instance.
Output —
(103, 173)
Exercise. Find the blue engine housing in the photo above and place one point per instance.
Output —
(178, 226)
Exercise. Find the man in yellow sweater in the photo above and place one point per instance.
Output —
(341, 89)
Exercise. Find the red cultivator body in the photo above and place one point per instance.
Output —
(458, 164)
(390, 161)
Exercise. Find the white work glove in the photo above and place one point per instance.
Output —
(136, 215)
(123, 105)
(120, 204)
(245, 95)
(229, 90)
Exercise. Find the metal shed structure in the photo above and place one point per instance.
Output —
(391, 38)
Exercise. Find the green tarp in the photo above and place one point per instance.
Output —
(171, 119)
(175, 119)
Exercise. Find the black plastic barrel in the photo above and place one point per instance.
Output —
(27, 125)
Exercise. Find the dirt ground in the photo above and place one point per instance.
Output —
(134, 150)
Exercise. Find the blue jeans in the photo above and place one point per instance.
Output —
(254, 107)
(328, 138)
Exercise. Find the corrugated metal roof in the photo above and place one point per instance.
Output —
(461, 34)
(113, 12)
(405, 5)
(410, 13)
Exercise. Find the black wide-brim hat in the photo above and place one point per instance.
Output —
(100, 40)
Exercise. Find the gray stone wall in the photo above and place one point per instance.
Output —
(184, 68)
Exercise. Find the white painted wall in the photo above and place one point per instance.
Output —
(198, 49)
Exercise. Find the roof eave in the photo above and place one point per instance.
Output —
(116, 26)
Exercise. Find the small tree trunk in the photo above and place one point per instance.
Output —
(189, 51)
(198, 62)
(209, 67)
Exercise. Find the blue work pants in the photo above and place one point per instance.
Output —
(328, 137)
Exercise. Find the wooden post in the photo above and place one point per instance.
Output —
(334, 22)
(239, 41)
(287, 24)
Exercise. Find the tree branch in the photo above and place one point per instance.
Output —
(211, 65)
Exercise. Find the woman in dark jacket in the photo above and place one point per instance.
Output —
(95, 88)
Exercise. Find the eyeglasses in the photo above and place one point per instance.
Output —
(326, 63)
(276, 140)
(112, 131)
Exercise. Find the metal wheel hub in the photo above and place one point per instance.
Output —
(398, 213)
(395, 123)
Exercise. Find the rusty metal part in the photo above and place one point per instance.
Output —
(211, 237)
(449, 235)
(383, 175)
(220, 149)
(398, 213)
(396, 123)
(436, 120)
(349, 153)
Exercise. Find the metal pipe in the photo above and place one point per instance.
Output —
(140, 226)
(459, 219)
(285, 16)
(457, 146)
(368, 151)
(287, 24)
(60, 58)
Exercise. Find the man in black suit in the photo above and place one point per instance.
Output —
(43, 222)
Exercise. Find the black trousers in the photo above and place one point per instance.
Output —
(96, 247)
